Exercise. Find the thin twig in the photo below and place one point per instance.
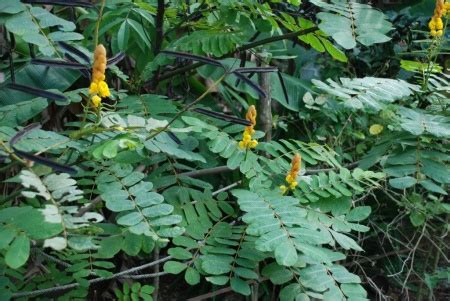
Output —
(92, 281)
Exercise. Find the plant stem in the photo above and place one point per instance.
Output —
(264, 106)
(99, 20)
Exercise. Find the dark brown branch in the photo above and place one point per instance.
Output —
(159, 27)
(264, 105)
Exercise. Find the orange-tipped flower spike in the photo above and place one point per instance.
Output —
(247, 141)
(291, 177)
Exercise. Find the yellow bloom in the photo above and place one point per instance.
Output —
(292, 175)
(283, 189)
(253, 144)
(96, 101)
(93, 88)
(436, 25)
(99, 88)
(103, 89)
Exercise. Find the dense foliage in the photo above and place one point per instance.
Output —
(281, 150)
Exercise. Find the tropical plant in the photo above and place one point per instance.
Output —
(141, 140)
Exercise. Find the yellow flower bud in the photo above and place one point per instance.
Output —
(439, 33)
(433, 33)
(376, 129)
(283, 189)
(93, 88)
(242, 144)
(253, 144)
(439, 24)
(432, 25)
(96, 101)
(103, 89)
(293, 185)
(289, 178)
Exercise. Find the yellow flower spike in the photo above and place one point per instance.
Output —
(96, 101)
(249, 131)
(436, 25)
(98, 88)
(292, 175)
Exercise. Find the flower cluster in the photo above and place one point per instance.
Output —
(99, 88)
(247, 141)
(436, 25)
(291, 177)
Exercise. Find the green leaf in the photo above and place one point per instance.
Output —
(417, 218)
(345, 241)
(174, 267)
(240, 286)
(429, 185)
(6, 236)
(132, 244)
(353, 22)
(403, 183)
(216, 265)
(130, 219)
(277, 274)
(353, 291)
(110, 246)
(218, 280)
(18, 253)
(316, 277)
(358, 214)
(147, 289)
(180, 253)
(140, 31)
(123, 35)
(158, 210)
(342, 275)
(191, 276)
(286, 254)
(16, 114)
(290, 292)
(245, 273)
(135, 288)
(11, 6)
